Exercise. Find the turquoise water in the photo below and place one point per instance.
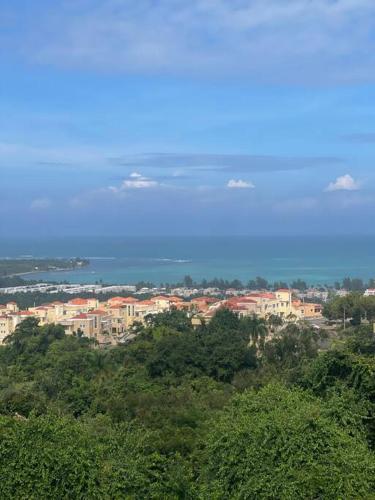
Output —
(317, 260)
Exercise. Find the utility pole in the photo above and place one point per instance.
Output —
(344, 319)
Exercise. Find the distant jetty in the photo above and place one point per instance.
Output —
(10, 268)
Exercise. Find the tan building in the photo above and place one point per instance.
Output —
(12, 307)
(265, 304)
(80, 323)
(6, 327)
(307, 310)
(107, 321)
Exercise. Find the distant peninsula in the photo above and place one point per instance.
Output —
(10, 268)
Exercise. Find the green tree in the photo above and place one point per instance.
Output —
(299, 285)
(288, 352)
(274, 321)
(54, 457)
(283, 444)
(172, 319)
(224, 320)
(188, 281)
(256, 330)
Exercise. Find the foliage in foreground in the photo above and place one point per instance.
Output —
(282, 443)
(216, 412)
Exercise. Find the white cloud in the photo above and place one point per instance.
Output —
(225, 162)
(40, 204)
(287, 40)
(135, 181)
(240, 184)
(138, 181)
(343, 183)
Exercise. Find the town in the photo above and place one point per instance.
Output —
(112, 321)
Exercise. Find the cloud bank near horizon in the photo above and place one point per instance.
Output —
(319, 42)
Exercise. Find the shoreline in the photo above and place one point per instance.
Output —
(38, 271)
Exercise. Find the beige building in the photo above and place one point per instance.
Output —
(265, 304)
(6, 327)
(107, 321)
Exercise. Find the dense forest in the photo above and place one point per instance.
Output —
(215, 412)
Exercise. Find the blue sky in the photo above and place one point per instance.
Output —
(175, 117)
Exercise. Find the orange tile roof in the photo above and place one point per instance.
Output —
(122, 299)
(97, 312)
(78, 302)
(206, 300)
(130, 300)
(237, 307)
(81, 316)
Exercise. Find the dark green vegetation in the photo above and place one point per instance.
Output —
(216, 412)
(259, 283)
(354, 307)
(11, 267)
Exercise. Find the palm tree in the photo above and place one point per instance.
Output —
(274, 321)
(291, 318)
(258, 331)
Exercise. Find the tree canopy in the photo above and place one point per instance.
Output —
(236, 408)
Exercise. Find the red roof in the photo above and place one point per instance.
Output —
(237, 307)
(283, 290)
(175, 299)
(146, 303)
(116, 299)
(78, 302)
(241, 300)
(205, 300)
(98, 312)
(124, 300)
(81, 316)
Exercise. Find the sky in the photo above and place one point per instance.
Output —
(168, 117)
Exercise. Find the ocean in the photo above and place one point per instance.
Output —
(127, 260)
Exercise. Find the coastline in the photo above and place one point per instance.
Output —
(119, 260)
(27, 273)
